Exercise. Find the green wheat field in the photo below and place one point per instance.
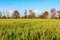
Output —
(29, 29)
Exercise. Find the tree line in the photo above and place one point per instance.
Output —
(44, 15)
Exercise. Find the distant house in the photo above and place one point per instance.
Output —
(58, 14)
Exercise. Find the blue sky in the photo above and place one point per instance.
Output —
(20, 5)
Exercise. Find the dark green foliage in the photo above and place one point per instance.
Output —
(41, 16)
(15, 14)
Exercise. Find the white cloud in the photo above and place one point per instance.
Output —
(37, 12)
(9, 12)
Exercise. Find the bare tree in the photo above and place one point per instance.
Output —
(4, 16)
(7, 14)
(25, 13)
(45, 14)
(0, 14)
(16, 14)
(32, 13)
(53, 13)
